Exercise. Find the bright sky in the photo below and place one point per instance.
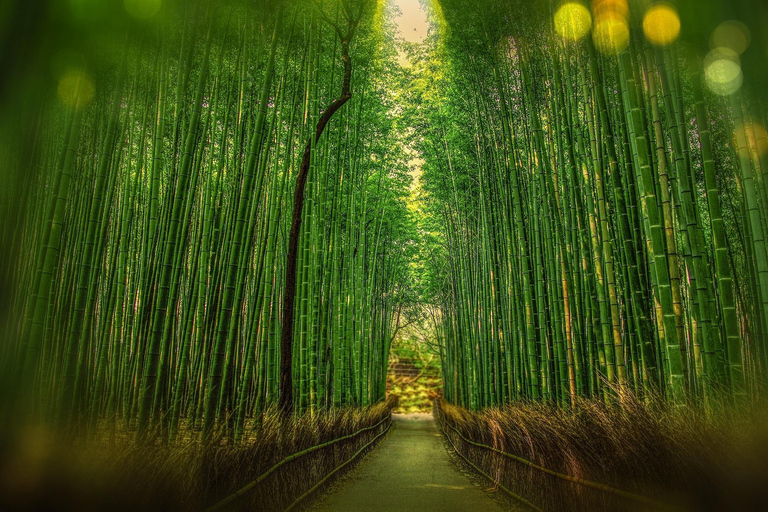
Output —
(413, 21)
(412, 25)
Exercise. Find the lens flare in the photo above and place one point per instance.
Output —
(731, 34)
(757, 138)
(573, 21)
(661, 24)
(143, 9)
(618, 8)
(611, 35)
(75, 89)
(722, 71)
(611, 30)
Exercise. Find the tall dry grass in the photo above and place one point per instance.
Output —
(679, 456)
(42, 470)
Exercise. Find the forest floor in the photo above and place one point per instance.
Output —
(409, 471)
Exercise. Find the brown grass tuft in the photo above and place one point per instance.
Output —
(674, 455)
(40, 471)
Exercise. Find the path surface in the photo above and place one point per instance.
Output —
(409, 471)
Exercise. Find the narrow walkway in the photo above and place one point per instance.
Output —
(410, 471)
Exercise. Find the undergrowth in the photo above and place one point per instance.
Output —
(41, 469)
(678, 456)
(413, 377)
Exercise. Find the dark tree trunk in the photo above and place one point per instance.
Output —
(289, 294)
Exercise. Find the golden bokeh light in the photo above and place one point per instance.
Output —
(661, 24)
(615, 8)
(75, 89)
(757, 138)
(573, 21)
(143, 9)
(611, 35)
(733, 35)
(611, 30)
(722, 71)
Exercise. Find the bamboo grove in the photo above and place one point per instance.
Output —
(598, 215)
(153, 256)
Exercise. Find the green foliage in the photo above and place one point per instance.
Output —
(151, 264)
(586, 229)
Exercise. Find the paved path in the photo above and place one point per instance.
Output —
(409, 471)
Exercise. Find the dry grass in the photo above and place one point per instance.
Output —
(40, 471)
(677, 456)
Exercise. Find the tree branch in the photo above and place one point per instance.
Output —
(289, 294)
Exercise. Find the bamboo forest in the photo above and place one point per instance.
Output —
(384, 255)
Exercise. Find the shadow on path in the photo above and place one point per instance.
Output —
(409, 471)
